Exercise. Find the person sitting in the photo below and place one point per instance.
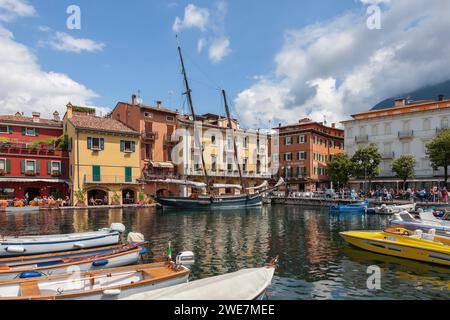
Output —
(92, 201)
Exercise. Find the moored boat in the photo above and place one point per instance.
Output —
(29, 268)
(392, 209)
(31, 245)
(105, 284)
(357, 207)
(245, 284)
(426, 222)
(403, 243)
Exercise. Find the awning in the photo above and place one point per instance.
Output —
(223, 186)
(33, 180)
(161, 164)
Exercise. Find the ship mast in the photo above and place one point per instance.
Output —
(197, 141)
(234, 139)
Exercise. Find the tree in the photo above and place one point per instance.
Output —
(404, 168)
(366, 163)
(340, 169)
(439, 152)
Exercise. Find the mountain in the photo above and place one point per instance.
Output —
(426, 93)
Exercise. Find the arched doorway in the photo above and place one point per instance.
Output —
(97, 197)
(128, 196)
(32, 193)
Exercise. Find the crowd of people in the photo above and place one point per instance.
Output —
(37, 201)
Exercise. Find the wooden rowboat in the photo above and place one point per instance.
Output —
(31, 245)
(107, 284)
(120, 256)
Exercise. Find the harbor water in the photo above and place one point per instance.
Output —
(314, 262)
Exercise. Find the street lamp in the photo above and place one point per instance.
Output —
(360, 162)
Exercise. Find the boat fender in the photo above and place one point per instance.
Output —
(117, 227)
(30, 274)
(112, 292)
(144, 250)
(79, 245)
(15, 249)
(100, 263)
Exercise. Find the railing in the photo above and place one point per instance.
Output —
(149, 135)
(406, 134)
(362, 139)
(28, 148)
(438, 130)
(388, 155)
(93, 179)
(160, 176)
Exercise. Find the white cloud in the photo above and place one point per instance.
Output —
(194, 17)
(65, 42)
(219, 49)
(25, 87)
(369, 2)
(201, 43)
(11, 9)
(341, 67)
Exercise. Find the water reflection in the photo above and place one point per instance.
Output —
(315, 263)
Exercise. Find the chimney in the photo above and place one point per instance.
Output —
(333, 125)
(18, 114)
(36, 116)
(158, 104)
(56, 116)
(400, 102)
(133, 100)
(441, 97)
(69, 110)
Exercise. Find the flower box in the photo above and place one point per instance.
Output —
(2, 172)
(30, 173)
(56, 173)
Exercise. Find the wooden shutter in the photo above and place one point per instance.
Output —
(122, 146)
(10, 129)
(63, 169)
(133, 146)
(8, 166)
(38, 166)
(102, 143)
(49, 167)
(89, 143)
(36, 131)
(24, 131)
(22, 166)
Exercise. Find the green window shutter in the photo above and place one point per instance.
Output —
(38, 166)
(36, 131)
(96, 173)
(122, 146)
(10, 129)
(49, 167)
(22, 166)
(8, 166)
(128, 174)
(24, 131)
(89, 143)
(102, 144)
(133, 146)
(63, 169)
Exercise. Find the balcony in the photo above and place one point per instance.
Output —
(227, 174)
(27, 148)
(388, 155)
(439, 130)
(408, 134)
(362, 139)
(110, 179)
(149, 136)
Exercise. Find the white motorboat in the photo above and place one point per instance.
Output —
(30, 245)
(392, 209)
(426, 222)
(246, 284)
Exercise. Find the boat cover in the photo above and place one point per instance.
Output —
(246, 284)
(184, 182)
(262, 185)
(221, 185)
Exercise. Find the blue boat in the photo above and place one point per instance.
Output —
(356, 207)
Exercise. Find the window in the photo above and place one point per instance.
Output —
(245, 165)
(170, 118)
(406, 125)
(213, 163)
(213, 140)
(127, 146)
(405, 148)
(301, 156)
(362, 130)
(246, 139)
(148, 152)
(387, 128)
(230, 164)
(128, 174)
(288, 141)
(302, 139)
(56, 166)
(6, 193)
(350, 132)
(426, 124)
(444, 123)
(230, 142)
(288, 156)
(95, 144)
(96, 174)
(288, 172)
(29, 166)
(30, 132)
(5, 129)
(148, 115)
(5, 166)
(375, 130)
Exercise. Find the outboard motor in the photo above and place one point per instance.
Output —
(117, 227)
(185, 258)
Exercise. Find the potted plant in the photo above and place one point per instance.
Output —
(2, 172)
(30, 173)
(115, 198)
(80, 195)
(141, 197)
(56, 173)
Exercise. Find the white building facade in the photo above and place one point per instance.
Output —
(404, 129)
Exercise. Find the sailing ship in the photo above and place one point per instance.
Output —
(212, 200)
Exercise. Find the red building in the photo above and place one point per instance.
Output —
(304, 150)
(33, 160)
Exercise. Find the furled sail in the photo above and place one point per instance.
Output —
(265, 184)
(183, 182)
(234, 186)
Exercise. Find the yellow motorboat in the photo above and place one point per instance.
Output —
(403, 243)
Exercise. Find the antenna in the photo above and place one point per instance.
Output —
(324, 119)
(139, 98)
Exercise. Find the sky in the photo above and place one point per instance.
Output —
(279, 61)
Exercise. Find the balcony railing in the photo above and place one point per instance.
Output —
(27, 147)
(149, 135)
(388, 155)
(109, 179)
(406, 134)
(362, 138)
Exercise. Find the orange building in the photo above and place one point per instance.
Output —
(156, 125)
(303, 151)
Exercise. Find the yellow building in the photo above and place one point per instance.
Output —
(218, 152)
(104, 158)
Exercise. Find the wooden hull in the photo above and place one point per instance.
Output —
(110, 259)
(45, 244)
(231, 202)
(108, 284)
(399, 246)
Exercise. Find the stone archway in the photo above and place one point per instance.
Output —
(129, 196)
(97, 197)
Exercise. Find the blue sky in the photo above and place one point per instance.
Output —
(283, 59)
